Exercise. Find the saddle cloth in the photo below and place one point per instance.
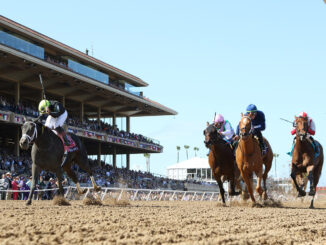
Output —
(316, 149)
(72, 147)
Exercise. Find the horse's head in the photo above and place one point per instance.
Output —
(29, 133)
(301, 124)
(245, 127)
(211, 135)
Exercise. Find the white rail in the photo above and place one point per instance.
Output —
(130, 194)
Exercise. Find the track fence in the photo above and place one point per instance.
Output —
(123, 194)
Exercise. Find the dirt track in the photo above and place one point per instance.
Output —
(161, 223)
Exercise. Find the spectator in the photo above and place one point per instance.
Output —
(15, 187)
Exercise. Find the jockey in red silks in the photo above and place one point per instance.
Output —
(311, 128)
(311, 124)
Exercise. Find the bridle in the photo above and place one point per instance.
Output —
(301, 135)
(245, 134)
(29, 138)
(213, 137)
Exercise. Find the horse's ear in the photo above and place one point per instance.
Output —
(207, 124)
(241, 114)
(24, 119)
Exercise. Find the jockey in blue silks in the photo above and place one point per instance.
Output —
(258, 125)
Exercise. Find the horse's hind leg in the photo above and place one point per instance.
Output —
(73, 176)
(59, 176)
(82, 161)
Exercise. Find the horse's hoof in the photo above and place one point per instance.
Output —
(301, 194)
(265, 196)
(28, 203)
(234, 193)
(312, 193)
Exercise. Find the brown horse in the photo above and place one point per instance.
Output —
(250, 160)
(304, 159)
(221, 161)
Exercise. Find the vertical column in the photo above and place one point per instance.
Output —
(128, 131)
(128, 124)
(17, 152)
(63, 101)
(113, 119)
(99, 116)
(99, 154)
(114, 157)
(128, 161)
(81, 111)
(17, 94)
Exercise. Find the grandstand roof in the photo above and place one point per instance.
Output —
(49, 41)
(195, 162)
(60, 82)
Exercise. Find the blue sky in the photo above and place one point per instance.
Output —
(201, 57)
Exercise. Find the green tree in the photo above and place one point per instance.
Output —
(186, 147)
(196, 149)
(178, 151)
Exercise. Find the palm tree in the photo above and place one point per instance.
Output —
(196, 149)
(178, 150)
(186, 147)
(147, 156)
(275, 155)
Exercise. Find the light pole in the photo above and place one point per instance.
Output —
(275, 155)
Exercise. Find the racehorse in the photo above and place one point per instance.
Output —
(47, 154)
(304, 159)
(250, 160)
(221, 161)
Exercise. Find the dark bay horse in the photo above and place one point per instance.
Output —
(221, 161)
(250, 160)
(47, 153)
(304, 159)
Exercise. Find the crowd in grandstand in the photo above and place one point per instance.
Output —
(27, 109)
(16, 175)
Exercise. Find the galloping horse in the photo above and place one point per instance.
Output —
(47, 154)
(249, 158)
(304, 159)
(221, 161)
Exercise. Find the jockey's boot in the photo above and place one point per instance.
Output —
(64, 159)
(261, 143)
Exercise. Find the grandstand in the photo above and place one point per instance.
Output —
(90, 89)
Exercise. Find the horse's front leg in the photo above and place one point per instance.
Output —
(35, 176)
(294, 171)
(259, 174)
(310, 171)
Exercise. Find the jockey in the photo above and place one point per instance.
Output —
(311, 129)
(57, 116)
(224, 128)
(258, 124)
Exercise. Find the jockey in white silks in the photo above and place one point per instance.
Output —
(57, 116)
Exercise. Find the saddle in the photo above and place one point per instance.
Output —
(72, 144)
(314, 146)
